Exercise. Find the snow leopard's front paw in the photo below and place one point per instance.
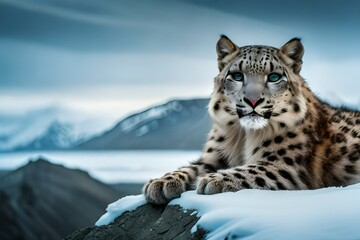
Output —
(216, 183)
(162, 190)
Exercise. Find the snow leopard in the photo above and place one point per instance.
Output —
(269, 130)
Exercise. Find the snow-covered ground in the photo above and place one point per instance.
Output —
(117, 208)
(331, 213)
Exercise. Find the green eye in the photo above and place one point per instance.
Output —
(237, 76)
(274, 77)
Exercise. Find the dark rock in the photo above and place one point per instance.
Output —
(9, 227)
(146, 222)
(48, 201)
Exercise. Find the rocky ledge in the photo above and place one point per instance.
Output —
(146, 222)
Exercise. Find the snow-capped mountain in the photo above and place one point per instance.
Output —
(177, 124)
(47, 128)
(56, 136)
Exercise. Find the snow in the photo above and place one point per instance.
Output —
(330, 213)
(117, 208)
(142, 131)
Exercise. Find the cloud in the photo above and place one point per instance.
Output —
(105, 55)
(72, 28)
(90, 12)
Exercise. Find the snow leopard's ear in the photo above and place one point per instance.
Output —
(294, 51)
(225, 48)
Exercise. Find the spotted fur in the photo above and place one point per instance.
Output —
(266, 134)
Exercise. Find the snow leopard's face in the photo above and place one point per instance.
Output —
(260, 86)
(256, 85)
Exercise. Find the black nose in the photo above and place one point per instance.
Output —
(253, 102)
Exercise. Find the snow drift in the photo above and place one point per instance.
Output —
(331, 213)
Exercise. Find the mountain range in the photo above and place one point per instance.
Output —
(177, 124)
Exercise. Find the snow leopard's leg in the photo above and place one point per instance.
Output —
(263, 175)
(172, 184)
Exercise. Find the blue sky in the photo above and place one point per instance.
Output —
(113, 57)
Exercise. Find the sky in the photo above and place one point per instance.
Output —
(114, 57)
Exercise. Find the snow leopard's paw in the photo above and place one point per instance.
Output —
(162, 190)
(216, 183)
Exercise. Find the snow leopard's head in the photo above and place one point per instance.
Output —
(258, 84)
